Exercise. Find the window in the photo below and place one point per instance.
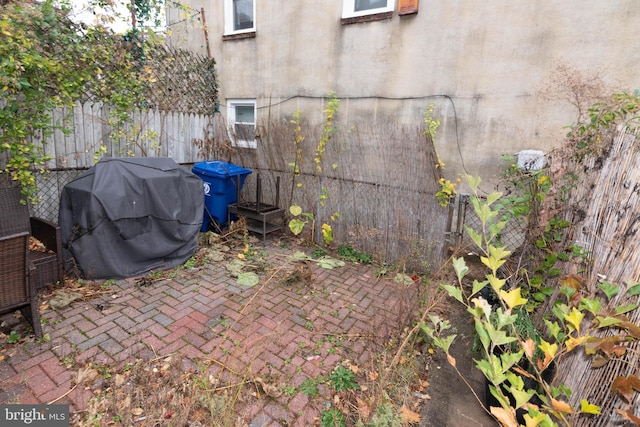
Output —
(241, 117)
(352, 8)
(239, 16)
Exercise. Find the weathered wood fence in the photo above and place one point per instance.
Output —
(92, 133)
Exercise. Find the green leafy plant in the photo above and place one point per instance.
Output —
(514, 355)
(330, 111)
(349, 253)
(49, 62)
(319, 252)
(332, 418)
(432, 124)
(190, 263)
(323, 262)
(448, 189)
(343, 379)
(386, 415)
(301, 219)
(13, 337)
(590, 136)
(290, 390)
(309, 387)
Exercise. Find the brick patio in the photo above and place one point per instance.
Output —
(205, 315)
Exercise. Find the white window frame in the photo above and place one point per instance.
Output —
(349, 7)
(231, 122)
(228, 19)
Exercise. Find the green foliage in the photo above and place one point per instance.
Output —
(349, 253)
(38, 72)
(447, 192)
(330, 111)
(318, 253)
(512, 351)
(332, 418)
(48, 62)
(309, 387)
(326, 262)
(343, 379)
(301, 219)
(448, 189)
(386, 415)
(527, 190)
(432, 124)
(248, 279)
(190, 263)
(13, 337)
(619, 109)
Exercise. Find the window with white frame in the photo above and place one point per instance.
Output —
(239, 16)
(241, 118)
(353, 8)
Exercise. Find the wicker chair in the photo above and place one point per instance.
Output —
(46, 264)
(17, 291)
(25, 270)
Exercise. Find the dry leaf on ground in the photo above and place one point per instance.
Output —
(408, 415)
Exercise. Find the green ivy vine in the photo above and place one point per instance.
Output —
(48, 62)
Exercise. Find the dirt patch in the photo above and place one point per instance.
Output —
(456, 397)
(457, 394)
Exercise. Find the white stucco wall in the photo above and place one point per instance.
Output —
(482, 63)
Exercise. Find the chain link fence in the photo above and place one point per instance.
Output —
(512, 236)
(50, 184)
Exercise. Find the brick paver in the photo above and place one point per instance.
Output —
(271, 328)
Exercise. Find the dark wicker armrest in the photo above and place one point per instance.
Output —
(48, 233)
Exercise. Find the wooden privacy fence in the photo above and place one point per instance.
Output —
(85, 133)
(147, 133)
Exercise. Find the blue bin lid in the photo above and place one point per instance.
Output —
(219, 169)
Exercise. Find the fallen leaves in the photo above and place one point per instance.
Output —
(364, 408)
(561, 406)
(85, 375)
(625, 386)
(63, 299)
(409, 416)
(504, 417)
(629, 416)
(268, 388)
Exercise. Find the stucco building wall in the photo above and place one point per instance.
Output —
(481, 63)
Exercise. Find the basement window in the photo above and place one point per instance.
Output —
(241, 117)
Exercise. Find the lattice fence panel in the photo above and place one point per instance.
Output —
(176, 79)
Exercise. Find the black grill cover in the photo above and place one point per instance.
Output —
(128, 216)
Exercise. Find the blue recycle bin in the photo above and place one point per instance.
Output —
(222, 182)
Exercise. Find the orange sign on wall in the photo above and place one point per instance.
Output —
(407, 7)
